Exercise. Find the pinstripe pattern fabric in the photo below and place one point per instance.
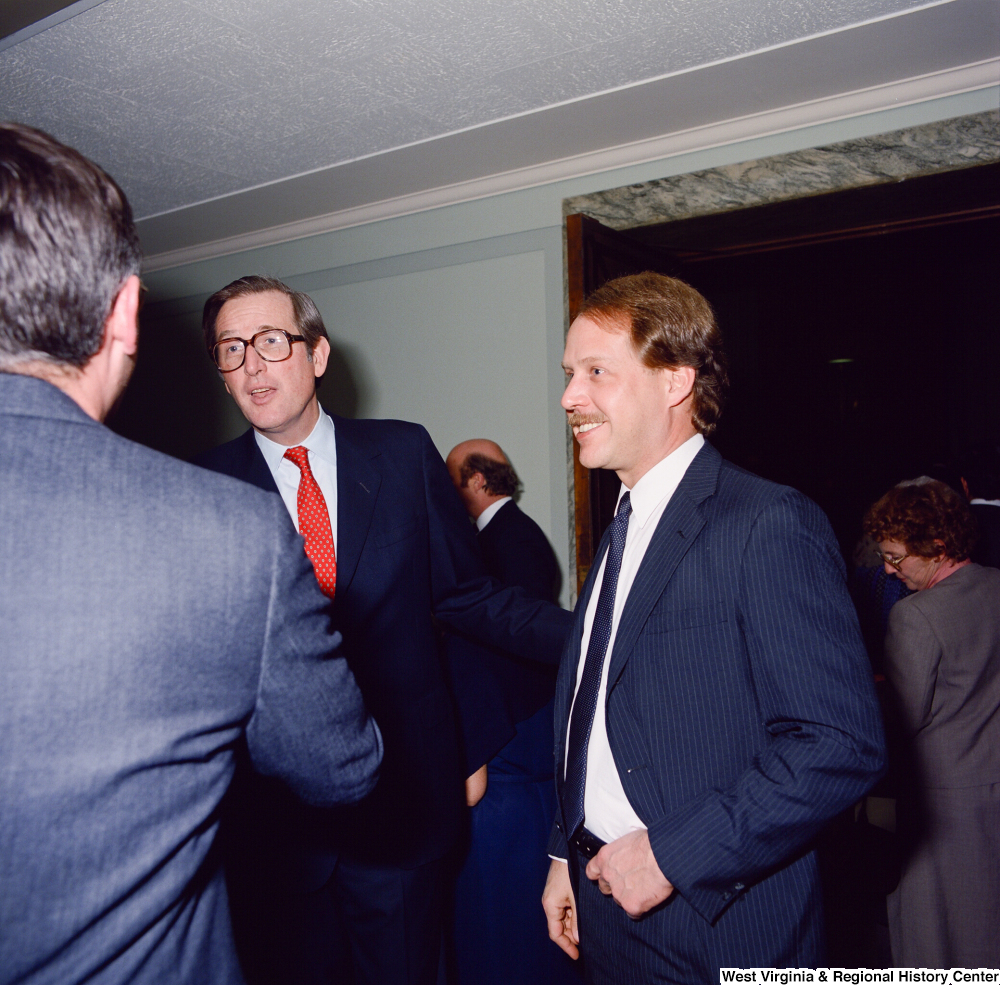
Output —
(741, 714)
(674, 944)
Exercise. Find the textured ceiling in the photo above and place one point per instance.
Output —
(187, 100)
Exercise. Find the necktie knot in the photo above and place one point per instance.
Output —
(624, 508)
(299, 455)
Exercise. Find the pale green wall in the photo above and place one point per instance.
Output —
(454, 317)
(463, 349)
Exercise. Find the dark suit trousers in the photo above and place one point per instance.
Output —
(500, 933)
(383, 922)
(674, 944)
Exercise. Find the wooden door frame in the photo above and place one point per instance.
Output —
(583, 543)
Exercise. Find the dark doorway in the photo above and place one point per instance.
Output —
(861, 327)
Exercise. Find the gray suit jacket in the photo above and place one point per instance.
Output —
(152, 613)
(943, 660)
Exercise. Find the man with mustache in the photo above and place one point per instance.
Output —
(714, 706)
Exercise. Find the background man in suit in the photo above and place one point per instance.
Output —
(714, 705)
(151, 614)
(515, 550)
(366, 897)
(503, 872)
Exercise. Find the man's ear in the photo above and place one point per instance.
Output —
(679, 383)
(122, 326)
(320, 357)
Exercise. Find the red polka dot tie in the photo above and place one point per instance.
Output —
(314, 522)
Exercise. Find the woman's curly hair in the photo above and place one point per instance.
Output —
(922, 517)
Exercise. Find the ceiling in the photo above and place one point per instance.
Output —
(221, 118)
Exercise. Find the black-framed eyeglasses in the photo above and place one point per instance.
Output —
(893, 562)
(273, 345)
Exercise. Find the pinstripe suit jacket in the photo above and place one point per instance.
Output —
(740, 710)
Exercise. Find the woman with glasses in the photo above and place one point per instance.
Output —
(942, 655)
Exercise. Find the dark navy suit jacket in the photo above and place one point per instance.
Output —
(741, 710)
(405, 554)
(516, 552)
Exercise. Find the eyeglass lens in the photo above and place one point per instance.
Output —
(893, 561)
(272, 346)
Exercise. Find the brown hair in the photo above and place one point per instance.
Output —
(670, 325)
(499, 477)
(308, 320)
(918, 515)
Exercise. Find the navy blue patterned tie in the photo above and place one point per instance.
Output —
(582, 720)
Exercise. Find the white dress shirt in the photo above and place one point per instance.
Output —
(490, 512)
(607, 811)
(322, 446)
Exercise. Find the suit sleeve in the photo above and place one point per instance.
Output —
(309, 726)
(912, 658)
(525, 559)
(815, 692)
(464, 596)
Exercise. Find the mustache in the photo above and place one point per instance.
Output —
(578, 420)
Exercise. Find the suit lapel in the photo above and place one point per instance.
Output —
(679, 525)
(358, 482)
(254, 468)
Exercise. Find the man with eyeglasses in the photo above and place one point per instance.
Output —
(359, 895)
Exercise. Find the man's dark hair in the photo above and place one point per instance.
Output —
(67, 246)
(500, 477)
(308, 320)
(671, 325)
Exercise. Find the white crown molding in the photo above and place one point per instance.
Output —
(933, 85)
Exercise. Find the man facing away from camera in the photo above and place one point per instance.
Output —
(503, 869)
(359, 895)
(152, 616)
(714, 706)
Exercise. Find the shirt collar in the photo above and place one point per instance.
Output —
(322, 441)
(661, 481)
(490, 512)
